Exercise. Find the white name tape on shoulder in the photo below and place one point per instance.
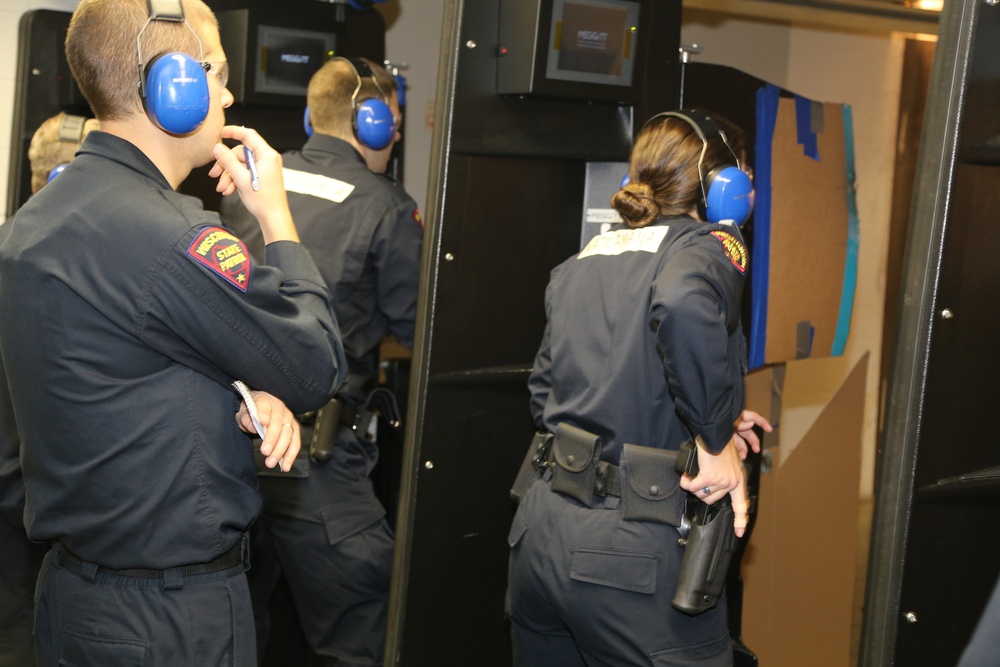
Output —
(315, 185)
(621, 241)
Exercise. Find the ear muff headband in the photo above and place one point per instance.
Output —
(71, 128)
(71, 132)
(173, 86)
(373, 120)
(726, 191)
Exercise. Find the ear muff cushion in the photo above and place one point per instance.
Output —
(55, 172)
(307, 122)
(374, 124)
(177, 97)
(729, 195)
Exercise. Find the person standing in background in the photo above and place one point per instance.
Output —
(52, 147)
(323, 525)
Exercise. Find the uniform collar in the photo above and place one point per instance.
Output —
(324, 147)
(124, 152)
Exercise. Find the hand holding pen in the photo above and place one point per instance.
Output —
(252, 166)
(253, 170)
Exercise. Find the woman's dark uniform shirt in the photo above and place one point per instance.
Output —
(643, 343)
(125, 313)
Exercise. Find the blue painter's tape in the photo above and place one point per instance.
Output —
(853, 239)
(767, 117)
(804, 127)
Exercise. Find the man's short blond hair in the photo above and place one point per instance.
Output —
(103, 55)
(330, 91)
(55, 142)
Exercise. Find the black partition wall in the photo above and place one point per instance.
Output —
(506, 205)
(935, 552)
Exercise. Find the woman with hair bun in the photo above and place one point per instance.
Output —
(643, 350)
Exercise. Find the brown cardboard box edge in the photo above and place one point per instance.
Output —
(799, 567)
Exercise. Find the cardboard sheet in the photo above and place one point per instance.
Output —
(800, 567)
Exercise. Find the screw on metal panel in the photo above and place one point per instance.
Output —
(471, 44)
(910, 617)
(428, 464)
(947, 314)
(448, 257)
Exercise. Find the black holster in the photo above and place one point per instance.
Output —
(338, 412)
(708, 550)
(325, 432)
(709, 543)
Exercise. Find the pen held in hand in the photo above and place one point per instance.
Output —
(252, 166)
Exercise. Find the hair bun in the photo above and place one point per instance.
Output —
(635, 204)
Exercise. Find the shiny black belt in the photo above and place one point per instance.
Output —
(235, 556)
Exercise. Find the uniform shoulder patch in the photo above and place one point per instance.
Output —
(224, 254)
(733, 249)
(417, 219)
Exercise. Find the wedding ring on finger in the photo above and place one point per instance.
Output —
(707, 490)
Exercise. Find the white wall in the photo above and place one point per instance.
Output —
(864, 71)
(10, 16)
(413, 36)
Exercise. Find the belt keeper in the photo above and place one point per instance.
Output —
(89, 572)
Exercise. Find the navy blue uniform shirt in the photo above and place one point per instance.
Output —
(643, 343)
(125, 313)
(365, 234)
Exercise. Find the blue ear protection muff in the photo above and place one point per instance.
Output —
(173, 86)
(58, 169)
(374, 124)
(727, 190)
(370, 115)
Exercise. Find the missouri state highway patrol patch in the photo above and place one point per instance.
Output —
(224, 254)
(734, 250)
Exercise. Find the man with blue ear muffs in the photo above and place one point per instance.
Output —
(127, 315)
(325, 527)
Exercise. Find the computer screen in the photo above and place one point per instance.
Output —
(593, 41)
(288, 57)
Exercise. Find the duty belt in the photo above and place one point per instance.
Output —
(645, 480)
(236, 555)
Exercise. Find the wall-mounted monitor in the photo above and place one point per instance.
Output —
(592, 41)
(583, 49)
(271, 64)
(288, 57)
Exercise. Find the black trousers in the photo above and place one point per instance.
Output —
(327, 533)
(587, 588)
(20, 561)
(92, 619)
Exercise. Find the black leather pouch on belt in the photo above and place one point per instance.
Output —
(534, 464)
(575, 453)
(650, 487)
